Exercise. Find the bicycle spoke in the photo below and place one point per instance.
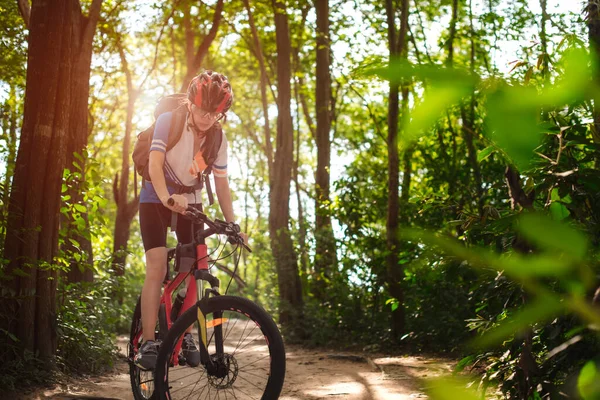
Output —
(229, 330)
(244, 367)
(186, 376)
(198, 381)
(149, 380)
(254, 362)
(233, 392)
(250, 342)
(183, 387)
(247, 394)
(237, 351)
(253, 374)
(241, 336)
(250, 382)
(205, 386)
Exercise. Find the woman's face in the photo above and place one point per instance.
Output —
(203, 119)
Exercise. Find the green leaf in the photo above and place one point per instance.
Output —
(485, 153)
(20, 272)
(543, 265)
(552, 235)
(559, 211)
(542, 309)
(399, 71)
(588, 382)
(574, 83)
(513, 121)
(518, 266)
(451, 389)
(436, 100)
(80, 208)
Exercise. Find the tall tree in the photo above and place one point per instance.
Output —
(593, 20)
(397, 47)
(258, 51)
(325, 251)
(194, 59)
(58, 38)
(468, 121)
(126, 208)
(290, 288)
(10, 120)
(80, 239)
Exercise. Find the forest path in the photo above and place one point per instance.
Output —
(311, 374)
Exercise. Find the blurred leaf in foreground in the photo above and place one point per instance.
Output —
(553, 236)
(513, 115)
(542, 309)
(451, 389)
(588, 382)
(518, 266)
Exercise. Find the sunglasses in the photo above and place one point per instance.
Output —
(206, 115)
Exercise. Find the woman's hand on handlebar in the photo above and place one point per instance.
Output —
(177, 203)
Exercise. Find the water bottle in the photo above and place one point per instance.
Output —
(177, 304)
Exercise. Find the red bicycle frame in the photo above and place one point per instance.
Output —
(190, 299)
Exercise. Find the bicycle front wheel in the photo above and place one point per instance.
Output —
(251, 355)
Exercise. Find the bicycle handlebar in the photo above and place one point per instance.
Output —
(231, 229)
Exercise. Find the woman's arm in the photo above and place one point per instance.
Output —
(224, 197)
(225, 201)
(157, 176)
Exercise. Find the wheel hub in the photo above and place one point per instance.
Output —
(226, 371)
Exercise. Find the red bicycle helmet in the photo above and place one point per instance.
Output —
(211, 92)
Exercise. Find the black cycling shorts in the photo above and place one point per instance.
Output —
(154, 221)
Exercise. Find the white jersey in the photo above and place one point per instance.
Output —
(181, 164)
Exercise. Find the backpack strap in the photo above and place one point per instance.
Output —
(176, 129)
(209, 192)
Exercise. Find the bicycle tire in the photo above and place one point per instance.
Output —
(138, 377)
(267, 370)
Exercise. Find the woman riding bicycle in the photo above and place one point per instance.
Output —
(209, 97)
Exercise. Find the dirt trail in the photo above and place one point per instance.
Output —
(311, 374)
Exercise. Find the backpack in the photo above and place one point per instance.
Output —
(210, 148)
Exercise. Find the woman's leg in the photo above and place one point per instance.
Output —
(153, 223)
(156, 268)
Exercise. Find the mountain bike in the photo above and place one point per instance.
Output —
(242, 355)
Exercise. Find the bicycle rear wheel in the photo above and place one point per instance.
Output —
(253, 355)
(142, 382)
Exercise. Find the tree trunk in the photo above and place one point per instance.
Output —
(196, 62)
(263, 90)
(394, 270)
(468, 120)
(593, 9)
(325, 248)
(450, 59)
(126, 209)
(544, 38)
(84, 29)
(56, 38)
(11, 143)
(303, 246)
(290, 291)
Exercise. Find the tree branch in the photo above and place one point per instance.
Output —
(205, 45)
(25, 10)
(92, 21)
(162, 29)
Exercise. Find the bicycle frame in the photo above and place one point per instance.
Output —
(198, 272)
(194, 297)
